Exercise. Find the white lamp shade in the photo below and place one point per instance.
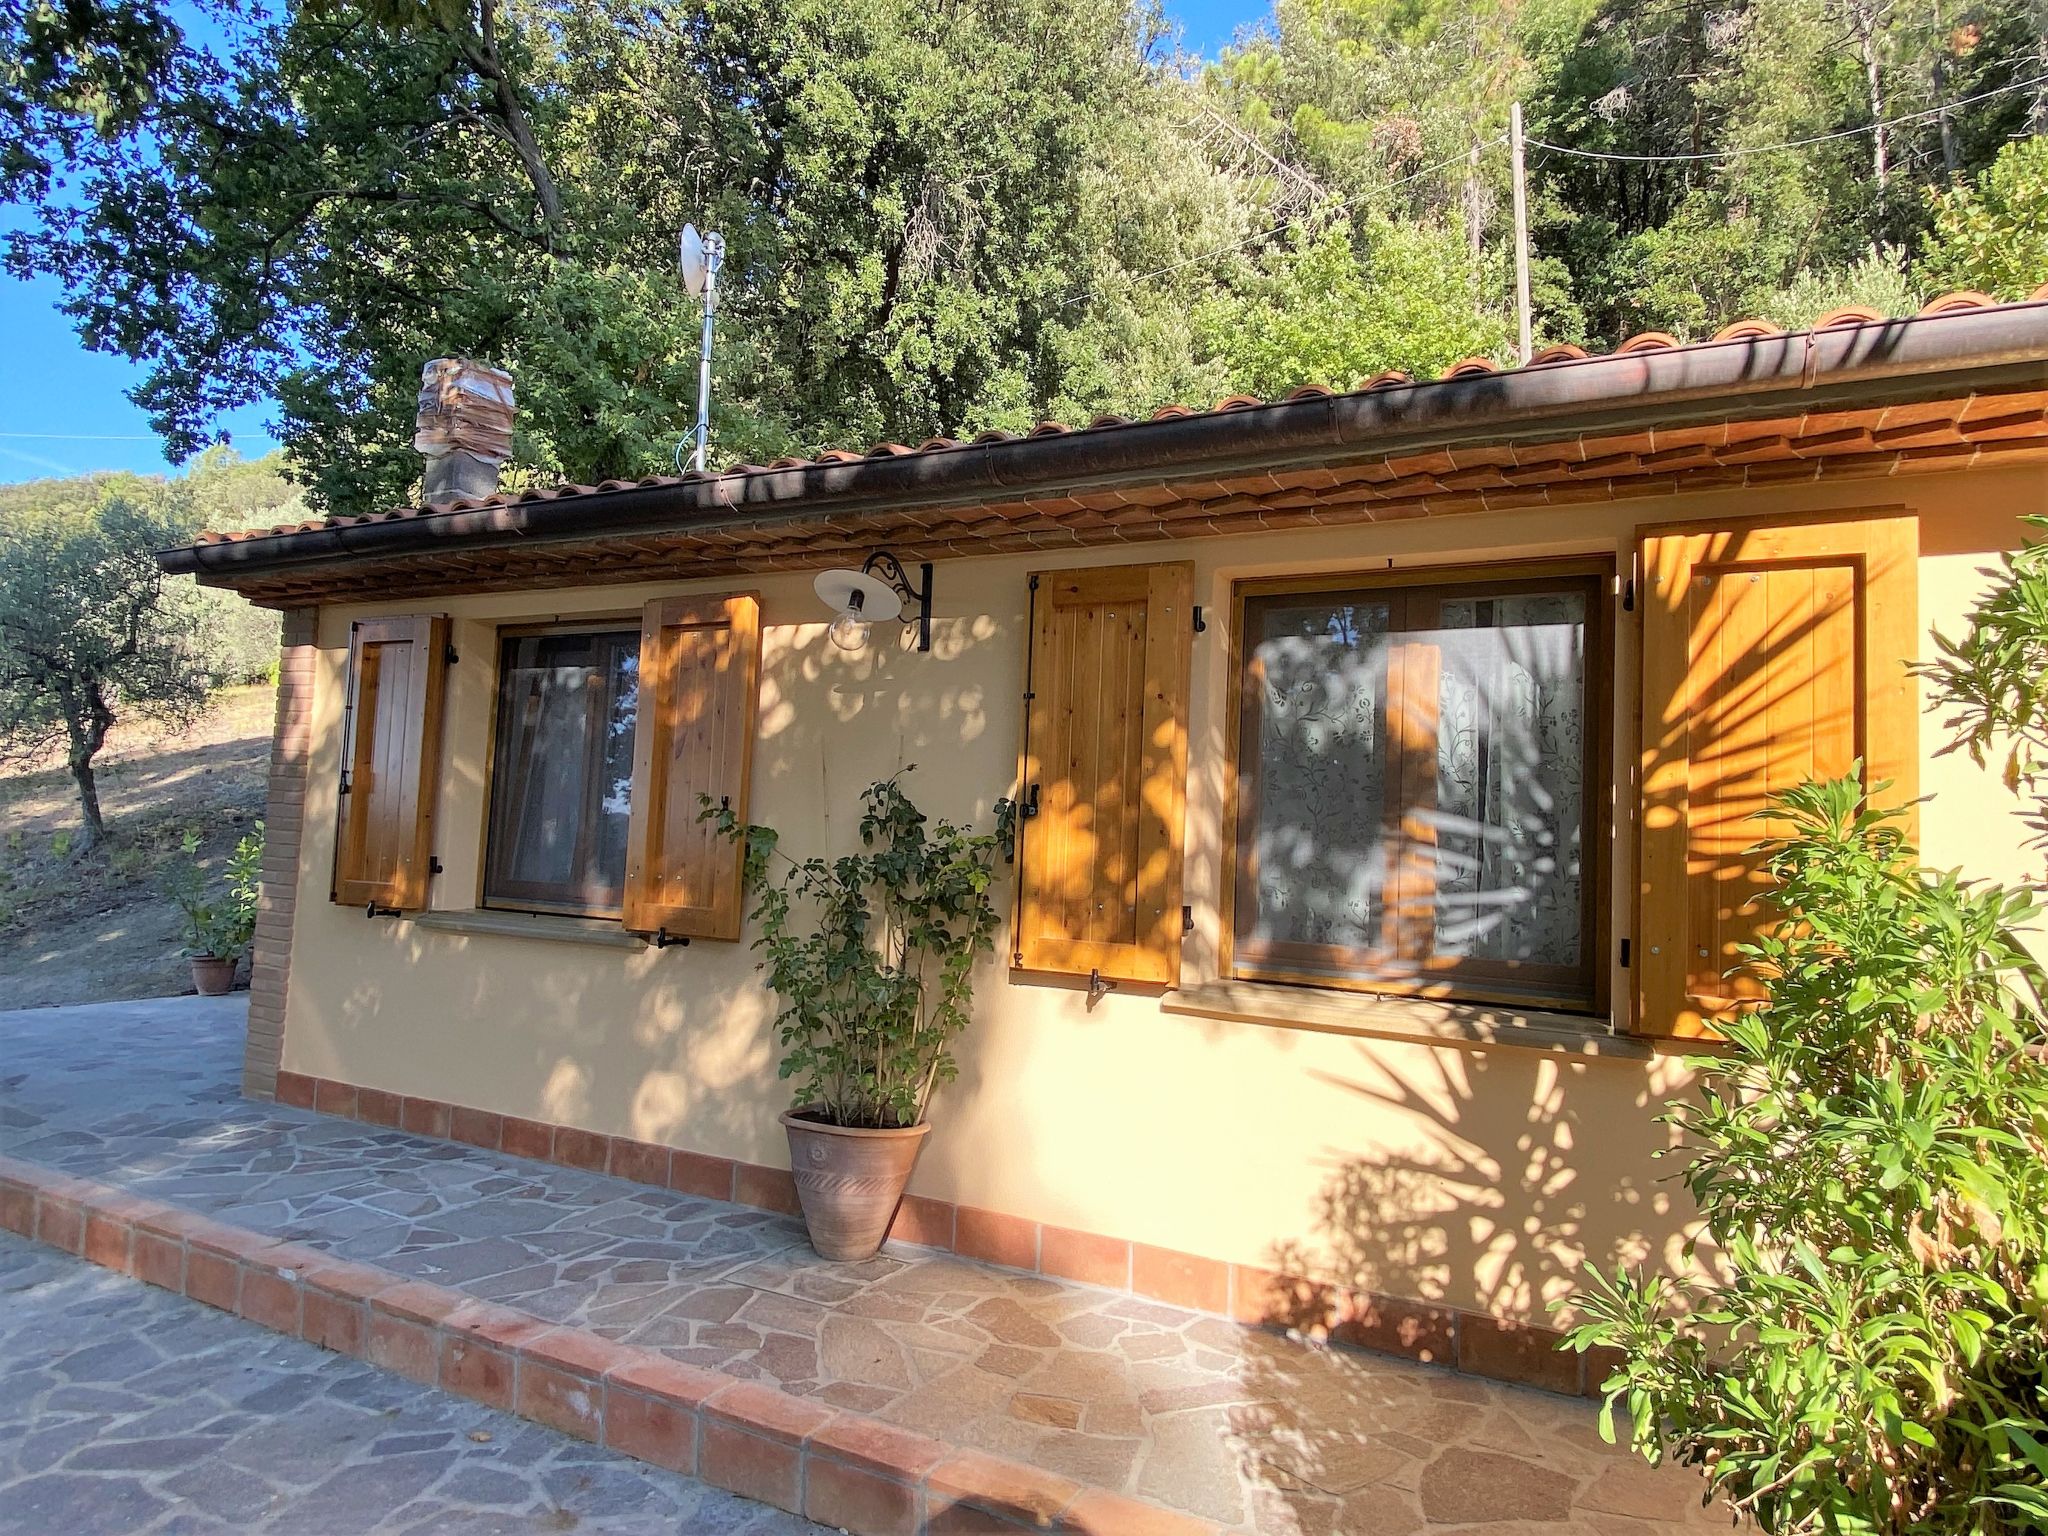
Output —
(878, 602)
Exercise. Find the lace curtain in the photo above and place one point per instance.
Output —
(1509, 703)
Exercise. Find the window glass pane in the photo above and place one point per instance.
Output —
(1317, 828)
(1413, 801)
(1510, 790)
(562, 778)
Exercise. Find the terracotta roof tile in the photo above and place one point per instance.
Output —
(1904, 430)
(1747, 330)
(1850, 314)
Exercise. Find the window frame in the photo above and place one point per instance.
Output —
(581, 624)
(1590, 993)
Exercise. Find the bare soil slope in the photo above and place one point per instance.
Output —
(82, 928)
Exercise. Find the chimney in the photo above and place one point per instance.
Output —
(464, 428)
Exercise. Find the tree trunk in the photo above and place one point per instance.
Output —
(88, 802)
(87, 718)
(481, 53)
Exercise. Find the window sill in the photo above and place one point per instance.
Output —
(602, 933)
(1404, 1018)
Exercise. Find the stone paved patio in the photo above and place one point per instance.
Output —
(130, 1410)
(1238, 1426)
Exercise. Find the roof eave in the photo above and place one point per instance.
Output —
(1929, 356)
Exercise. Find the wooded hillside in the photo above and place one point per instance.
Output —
(945, 218)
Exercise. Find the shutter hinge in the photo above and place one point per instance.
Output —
(1628, 595)
(1187, 921)
(1029, 808)
(1034, 582)
(1201, 624)
(1624, 954)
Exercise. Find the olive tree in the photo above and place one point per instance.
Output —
(90, 630)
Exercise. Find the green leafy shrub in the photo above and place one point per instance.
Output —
(220, 912)
(1869, 1159)
(1992, 233)
(873, 953)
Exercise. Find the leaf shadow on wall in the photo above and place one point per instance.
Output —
(1482, 1199)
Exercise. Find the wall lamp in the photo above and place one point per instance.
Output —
(879, 591)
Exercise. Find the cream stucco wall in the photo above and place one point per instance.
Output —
(1479, 1176)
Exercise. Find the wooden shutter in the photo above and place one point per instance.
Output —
(391, 753)
(700, 672)
(1105, 762)
(1773, 653)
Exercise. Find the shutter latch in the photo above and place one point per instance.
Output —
(1029, 808)
(373, 911)
(1187, 921)
(663, 939)
(1628, 595)
(1201, 624)
(1624, 954)
(1098, 988)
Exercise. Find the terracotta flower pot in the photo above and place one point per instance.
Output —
(849, 1181)
(213, 976)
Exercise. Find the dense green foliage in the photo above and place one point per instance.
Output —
(946, 219)
(219, 911)
(92, 632)
(873, 953)
(1870, 1161)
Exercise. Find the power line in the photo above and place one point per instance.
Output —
(1336, 200)
(1768, 149)
(82, 437)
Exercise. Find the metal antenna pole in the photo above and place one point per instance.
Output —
(714, 257)
(1521, 233)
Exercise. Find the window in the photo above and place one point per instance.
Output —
(562, 771)
(1420, 776)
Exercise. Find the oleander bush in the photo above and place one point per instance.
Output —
(1869, 1155)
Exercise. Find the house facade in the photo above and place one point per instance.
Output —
(1388, 763)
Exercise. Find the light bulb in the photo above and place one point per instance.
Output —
(849, 631)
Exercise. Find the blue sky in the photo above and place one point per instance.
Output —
(64, 410)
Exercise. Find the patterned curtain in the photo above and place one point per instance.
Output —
(1319, 844)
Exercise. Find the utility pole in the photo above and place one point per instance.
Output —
(1521, 233)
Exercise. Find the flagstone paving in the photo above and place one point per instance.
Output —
(1240, 1426)
(125, 1409)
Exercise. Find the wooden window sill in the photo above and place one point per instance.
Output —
(604, 933)
(1424, 1019)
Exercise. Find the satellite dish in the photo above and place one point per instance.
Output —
(691, 260)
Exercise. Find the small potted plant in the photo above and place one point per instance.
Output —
(220, 915)
(872, 956)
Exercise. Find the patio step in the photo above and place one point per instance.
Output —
(840, 1468)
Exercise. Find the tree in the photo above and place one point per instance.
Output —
(914, 203)
(89, 629)
(1992, 234)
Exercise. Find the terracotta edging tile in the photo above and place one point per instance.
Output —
(998, 1487)
(868, 1476)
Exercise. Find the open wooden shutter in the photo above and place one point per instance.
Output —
(1105, 763)
(1773, 653)
(391, 752)
(700, 672)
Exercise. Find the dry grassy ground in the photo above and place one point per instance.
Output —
(77, 928)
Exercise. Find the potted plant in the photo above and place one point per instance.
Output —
(220, 915)
(872, 956)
